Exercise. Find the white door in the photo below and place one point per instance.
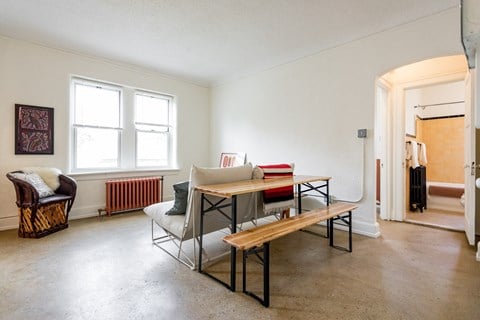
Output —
(470, 165)
(381, 122)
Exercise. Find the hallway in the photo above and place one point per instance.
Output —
(448, 220)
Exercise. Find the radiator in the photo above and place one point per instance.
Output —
(133, 193)
(418, 188)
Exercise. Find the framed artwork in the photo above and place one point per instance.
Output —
(228, 160)
(33, 129)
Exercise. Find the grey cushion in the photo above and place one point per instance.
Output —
(181, 196)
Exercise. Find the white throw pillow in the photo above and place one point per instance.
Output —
(49, 175)
(37, 182)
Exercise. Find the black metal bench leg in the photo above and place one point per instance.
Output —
(330, 227)
(328, 230)
(266, 273)
(244, 274)
(347, 221)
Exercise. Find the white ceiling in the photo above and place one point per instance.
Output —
(205, 41)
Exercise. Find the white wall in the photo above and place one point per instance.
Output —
(434, 94)
(308, 111)
(35, 75)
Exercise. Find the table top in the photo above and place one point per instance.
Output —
(227, 190)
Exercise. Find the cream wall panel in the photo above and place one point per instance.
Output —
(36, 75)
(308, 111)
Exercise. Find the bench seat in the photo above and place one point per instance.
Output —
(257, 240)
(257, 236)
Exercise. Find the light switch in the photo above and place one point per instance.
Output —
(362, 133)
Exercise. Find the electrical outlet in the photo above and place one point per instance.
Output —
(362, 133)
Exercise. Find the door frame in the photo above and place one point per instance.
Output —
(397, 131)
(383, 123)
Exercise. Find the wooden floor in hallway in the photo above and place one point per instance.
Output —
(449, 220)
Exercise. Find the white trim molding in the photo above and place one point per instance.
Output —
(478, 251)
(8, 223)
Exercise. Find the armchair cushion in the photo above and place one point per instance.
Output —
(37, 182)
(174, 224)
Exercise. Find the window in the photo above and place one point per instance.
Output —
(152, 125)
(117, 127)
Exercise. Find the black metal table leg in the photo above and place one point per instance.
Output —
(200, 249)
(233, 250)
(350, 231)
(330, 227)
(299, 192)
(328, 204)
(219, 206)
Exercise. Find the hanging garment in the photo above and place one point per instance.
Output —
(422, 156)
(412, 154)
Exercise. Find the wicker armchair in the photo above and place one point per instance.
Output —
(42, 216)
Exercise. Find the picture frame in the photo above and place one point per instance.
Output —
(33, 129)
(232, 159)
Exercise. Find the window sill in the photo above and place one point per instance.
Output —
(118, 174)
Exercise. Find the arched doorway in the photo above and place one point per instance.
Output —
(400, 85)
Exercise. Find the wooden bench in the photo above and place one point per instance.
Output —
(257, 240)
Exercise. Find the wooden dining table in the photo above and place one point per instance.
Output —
(229, 191)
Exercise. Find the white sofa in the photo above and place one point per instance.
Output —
(179, 228)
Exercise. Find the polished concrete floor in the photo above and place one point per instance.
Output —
(108, 269)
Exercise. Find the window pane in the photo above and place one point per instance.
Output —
(96, 148)
(97, 106)
(152, 149)
(150, 109)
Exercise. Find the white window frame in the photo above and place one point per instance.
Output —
(127, 148)
(169, 132)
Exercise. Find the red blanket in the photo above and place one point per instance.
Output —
(276, 171)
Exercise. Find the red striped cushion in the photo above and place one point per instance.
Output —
(277, 171)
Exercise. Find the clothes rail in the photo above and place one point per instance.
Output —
(437, 104)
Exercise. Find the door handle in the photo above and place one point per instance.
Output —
(472, 167)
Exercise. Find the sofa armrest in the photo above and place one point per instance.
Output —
(68, 186)
(26, 194)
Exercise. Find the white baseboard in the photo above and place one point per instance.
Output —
(361, 227)
(8, 223)
(85, 212)
(367, 229)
